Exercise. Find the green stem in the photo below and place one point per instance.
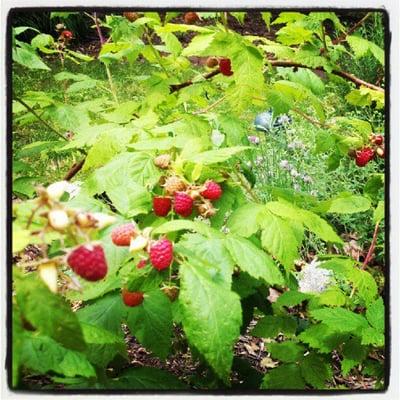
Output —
(224, 19)
(155, 52)
(243, 182)
(111, 83)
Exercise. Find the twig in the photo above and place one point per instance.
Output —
(245, 184)
(343, 37)
(371, 247)
(179, 86)
(74, 170)
(99, 33)
(310, 119)
(32, 111)
(211, 106)
(342, 74)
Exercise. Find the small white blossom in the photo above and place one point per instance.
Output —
(313, 279)
(259, 160)
(314, 193)
(294, 173)
(284, 164)
(296, 187)
(307, 179)
(225, 229)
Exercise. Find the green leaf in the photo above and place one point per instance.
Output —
(362, 46)
(345, 203)
(151, 323)
(315, 371)
(266, 16)
(272, 325)
(253, 260)
(287, 376)
(376, 315)
(294, 34)
(212, 256)
(323, 337)
(217, 156)
(279, 239)
(178, 225)
(248, 212)
(43, 355)
(286, 351)
(146, 378)
(211, 318)
(48, 312)
(102, 345)
(291, 298)
(333, 296)
(374, 185)
(372, 336)
(107, 313)
(353, 354)
(340, 319)
(379, 212)
(28, 58)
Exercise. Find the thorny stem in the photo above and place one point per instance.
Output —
(155, 52)
(371, 247)
(324, 39)
(243, 182)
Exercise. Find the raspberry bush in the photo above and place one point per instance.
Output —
(169, 237)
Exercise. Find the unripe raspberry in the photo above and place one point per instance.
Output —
(66, 34)
(103, 220)
(211, 190)
(225, 67)
(174, 184)
(212, 62)
(89, 262)
(122, 235)
(132, 299)
(48, 274)
(380, 151)
(56, 190)
(183, 204)
(171, 292)
(58, 219)
(142, 263)
(162, 161)
(206, 209)
(161, 206)
(139, 243)
(161, 254)
(85, 220)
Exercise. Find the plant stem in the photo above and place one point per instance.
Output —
(324, 39)
(243, 182)
(371, 247)
(32, 111)
(224, 19)
(155, 52)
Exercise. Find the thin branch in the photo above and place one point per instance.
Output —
(74, 170)
(179, 86)
(32, 111)
(343, 37)
(371, 247)
(342, 74)
(310, 119)
(99, 33)
(211, 106)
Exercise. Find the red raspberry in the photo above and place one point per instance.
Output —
(183, 204)
(378, 139)
(161, 206)
(161, 254)
(89, 262)
(132, 299)
(142, 263)
(212, 190)
(67, 34)
(122, 235)
(225, 67)
(364, 156)
(190, 17)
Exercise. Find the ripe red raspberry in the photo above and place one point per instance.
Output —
(378, 139)
(225, 67)
(142, 263)
(132, 299)
(212, 190)
(161, 206)
(122, 235)
(161, 254)
(183, 204)
(363, 156)
(190, 17)
(67, 34)
(89, 262)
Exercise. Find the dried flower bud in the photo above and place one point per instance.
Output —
(162, 161)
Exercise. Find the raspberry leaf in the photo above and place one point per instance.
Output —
(151, 323)
(211, 316)
(287, 376)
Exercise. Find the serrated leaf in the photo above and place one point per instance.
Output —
(272, 325)
(379, 212)
(353, 353)
(291, 298)
(102, 345)
(279, 239)
(376, 315)
(42, 354)
(344, 204)
(151, 323)
(372, 336)
(178, 225)
(286, 351)
(287, 376)
(146, 378)
(253, 260)
(340, 319)
(211, 318)
(248, 212)
(361, 47)
(217, 156)
(48, 312)
(107, 312)
(315, 371)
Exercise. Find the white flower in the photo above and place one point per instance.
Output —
(259, 160)
(253, 139)
(314, 193)
(307, 179)
(225, 229)
(284, 164)
(73, 189)
(294, 173)
(313, 279)
(296, 187)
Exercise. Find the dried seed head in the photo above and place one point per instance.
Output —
(162, 161)
(174, 184)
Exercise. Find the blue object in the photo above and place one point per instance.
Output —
(265, 121)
